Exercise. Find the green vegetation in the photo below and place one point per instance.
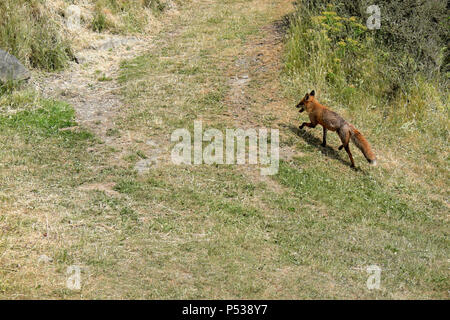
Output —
(413, 34)
(381, 81)
(99, 22)
(23, 112)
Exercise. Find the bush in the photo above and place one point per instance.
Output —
(336, 52)
(413, 32)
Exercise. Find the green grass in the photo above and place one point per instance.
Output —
(367, 222)
(336, 56)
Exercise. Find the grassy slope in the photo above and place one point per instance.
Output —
(212, 231)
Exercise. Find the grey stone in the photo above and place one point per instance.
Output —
(11, 68)
(80, 59)
(151, 143)
(242, 80)
(44, 259)
(143, 166)
(116, 43)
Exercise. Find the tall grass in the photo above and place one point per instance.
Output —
(119, 16)
(34, 34)
(29, 32)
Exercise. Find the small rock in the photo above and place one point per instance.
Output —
(80, 59)
(241, 62)
(242, 80)
(11, 68)
(143, 166)
(151, 143)
(44, 259)
(116, 43)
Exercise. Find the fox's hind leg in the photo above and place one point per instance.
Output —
(344, 134)
(347, 148)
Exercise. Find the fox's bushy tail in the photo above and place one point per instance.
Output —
(363, 145)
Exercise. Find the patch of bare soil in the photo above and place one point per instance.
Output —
(91, 85)
(261, 65)
(256, 99)
(105, 187)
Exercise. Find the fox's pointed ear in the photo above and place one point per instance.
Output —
(307, 96)
(313, 93)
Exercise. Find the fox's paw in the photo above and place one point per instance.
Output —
(340, 148)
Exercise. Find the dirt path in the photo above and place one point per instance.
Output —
(91, 86)
(262, 103)
(102, 220)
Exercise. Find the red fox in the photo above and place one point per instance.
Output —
(330, 120)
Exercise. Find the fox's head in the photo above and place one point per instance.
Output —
(306, 101)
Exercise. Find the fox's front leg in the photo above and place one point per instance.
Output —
(324, 143)
(310, 125)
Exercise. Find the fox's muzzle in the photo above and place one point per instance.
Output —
(300, 105)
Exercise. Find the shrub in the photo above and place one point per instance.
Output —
(414, 33)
